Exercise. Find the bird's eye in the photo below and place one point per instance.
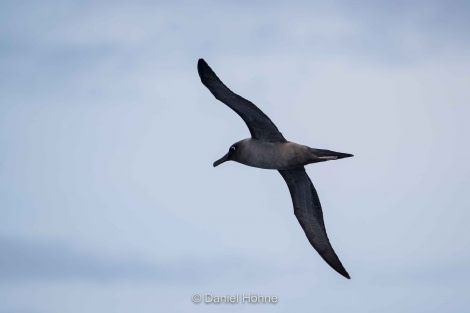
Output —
(232, 148)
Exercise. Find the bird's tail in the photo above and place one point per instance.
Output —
(327, 155)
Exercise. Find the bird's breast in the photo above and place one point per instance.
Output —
(273, 155)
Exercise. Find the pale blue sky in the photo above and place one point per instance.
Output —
(108, 198)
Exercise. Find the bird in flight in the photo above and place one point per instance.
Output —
(267, 148)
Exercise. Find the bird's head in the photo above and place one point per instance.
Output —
(231, 154)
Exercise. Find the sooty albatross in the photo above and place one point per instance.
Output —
(267, 148)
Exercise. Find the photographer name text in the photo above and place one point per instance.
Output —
(249, 298)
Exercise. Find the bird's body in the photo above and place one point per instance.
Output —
(279, 155)
(267, 148)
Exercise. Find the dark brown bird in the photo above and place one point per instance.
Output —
(267, 148)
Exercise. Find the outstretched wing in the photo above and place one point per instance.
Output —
(260, 126)
(307, 209)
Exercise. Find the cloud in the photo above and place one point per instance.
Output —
(29, 260)
(26, 260)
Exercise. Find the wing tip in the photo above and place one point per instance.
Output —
(202, 66)
(346, 275)
(205, 72)
(338, 267)
(201, 62)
